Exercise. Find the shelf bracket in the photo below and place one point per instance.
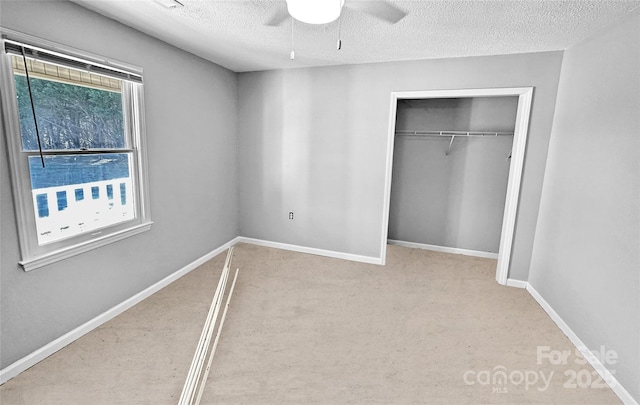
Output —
(450, 144)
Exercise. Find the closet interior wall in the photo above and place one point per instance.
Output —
(455, 200)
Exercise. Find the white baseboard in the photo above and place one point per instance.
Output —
(313, 251)
(436, 248)
(517, 283)
(24, 363)
(600, 368)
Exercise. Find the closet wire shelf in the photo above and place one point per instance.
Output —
(452, 134)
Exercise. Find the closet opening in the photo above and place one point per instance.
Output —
(454, 167)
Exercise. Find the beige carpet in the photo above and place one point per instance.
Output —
(427, 328)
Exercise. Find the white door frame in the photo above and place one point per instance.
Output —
(525, 95)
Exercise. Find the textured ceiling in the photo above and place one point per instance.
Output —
(233, 33)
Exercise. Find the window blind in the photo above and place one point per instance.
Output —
(16, 48)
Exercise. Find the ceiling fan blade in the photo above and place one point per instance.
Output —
(279, 16)
(379, 9)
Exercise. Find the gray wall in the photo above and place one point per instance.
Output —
(314, 141)
(586, 262)
(456, 200)
(191, 108)
(457, 114)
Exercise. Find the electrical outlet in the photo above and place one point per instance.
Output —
(291, 215)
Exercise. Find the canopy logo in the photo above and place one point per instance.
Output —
(540, 378)
(500, 377)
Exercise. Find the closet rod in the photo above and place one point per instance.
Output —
(451, 133)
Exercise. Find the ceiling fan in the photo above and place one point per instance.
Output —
(326, 11)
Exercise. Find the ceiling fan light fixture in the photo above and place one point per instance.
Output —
(315, 11)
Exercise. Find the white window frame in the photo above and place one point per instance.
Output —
(34, 255)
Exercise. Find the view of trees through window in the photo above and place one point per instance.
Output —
(69, 116)
(75, 193)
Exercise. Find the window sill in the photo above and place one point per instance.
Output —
(55, 256)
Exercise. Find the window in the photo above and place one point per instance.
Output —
(75, 133)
